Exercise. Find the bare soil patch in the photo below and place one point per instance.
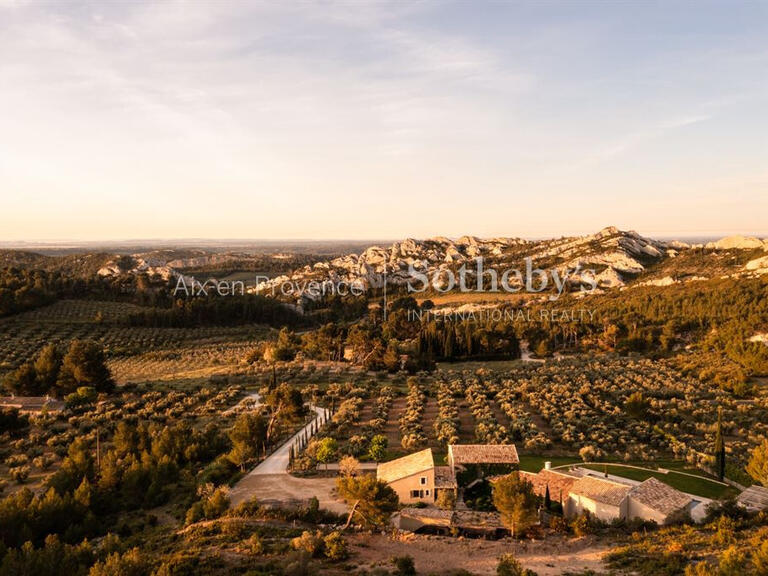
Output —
(466, 424)
(392, 429)
(284, 489)
(439, 555)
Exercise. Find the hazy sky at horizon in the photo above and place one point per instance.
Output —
(386, 120)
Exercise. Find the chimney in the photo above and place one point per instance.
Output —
(547, 465)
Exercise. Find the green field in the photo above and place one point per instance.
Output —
(698, 486)
(534, 463)
(701, 485)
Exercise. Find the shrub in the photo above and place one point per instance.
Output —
(725, 529)
(20, 474)
(129, 564)
(558, 524)
(404, 565)
(760, 558)
(446, 499)
(583, 525)
(312, 544)
(509, 566)
(335, 546)
(254, 545)
(349, 466)
(732, 562)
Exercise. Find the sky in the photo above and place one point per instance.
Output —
(356, 120)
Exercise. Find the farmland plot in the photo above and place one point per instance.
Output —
(135, 353)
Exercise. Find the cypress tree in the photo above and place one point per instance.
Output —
(720, 447)
(468, 339)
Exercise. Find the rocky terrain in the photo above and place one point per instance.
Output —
(614, 258)
(617, 258)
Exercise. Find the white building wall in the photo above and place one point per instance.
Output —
(577, 504)
(643, 512)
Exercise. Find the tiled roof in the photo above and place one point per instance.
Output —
(477, 520)
(430, 513)
(467, 519)
(444, 478)
(483, 453)
(559, 483)
(754, 498)
(605, 491)
(659, 496)
(405, 466)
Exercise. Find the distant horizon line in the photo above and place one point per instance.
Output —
(60, 242)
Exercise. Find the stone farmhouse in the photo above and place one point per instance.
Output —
(609, 500)
(415, 477)
(417, 480)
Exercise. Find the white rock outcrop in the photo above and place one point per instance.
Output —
(737, 243)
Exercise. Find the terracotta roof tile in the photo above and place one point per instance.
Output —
(559, 483)
(483, 453)
(659, 496)
(754, 498)
(599, 490)
(405, 466)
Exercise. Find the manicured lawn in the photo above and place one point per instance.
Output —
(698, 486)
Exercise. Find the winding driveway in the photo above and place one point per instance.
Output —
(270, 482)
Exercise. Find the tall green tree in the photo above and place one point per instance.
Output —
(23, 380)
(378, 448)
(47, 366)
(515, 501)
(327, 449)
(84, 365)
(284, 404)
(720, 447)
(248, 436)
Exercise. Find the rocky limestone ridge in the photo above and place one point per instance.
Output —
(150, 266)
(618, 256)
(369, 267)
(738, 243)
(758, 265)
(625, 252)
(616, 253)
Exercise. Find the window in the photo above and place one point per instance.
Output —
(414, 493)
(423, 480)
(426, 492)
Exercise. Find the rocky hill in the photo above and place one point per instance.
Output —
(617, 257)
